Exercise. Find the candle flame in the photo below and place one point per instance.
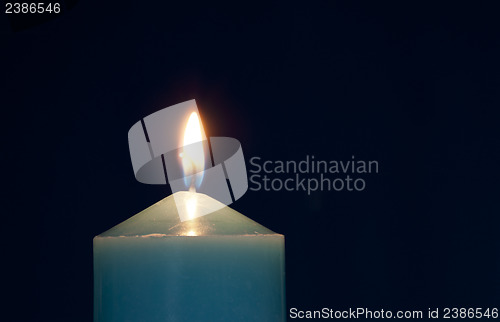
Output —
(192, 155)
(193, 163)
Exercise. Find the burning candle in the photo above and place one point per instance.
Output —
(217, 266)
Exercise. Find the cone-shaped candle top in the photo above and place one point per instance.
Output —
(162, 220)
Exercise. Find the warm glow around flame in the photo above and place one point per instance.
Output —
(192, 155)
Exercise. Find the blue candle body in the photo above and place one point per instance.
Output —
(219, 267)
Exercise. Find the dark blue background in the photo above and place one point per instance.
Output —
(414, 86)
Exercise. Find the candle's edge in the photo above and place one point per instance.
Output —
(161, 220)
(160, 236)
